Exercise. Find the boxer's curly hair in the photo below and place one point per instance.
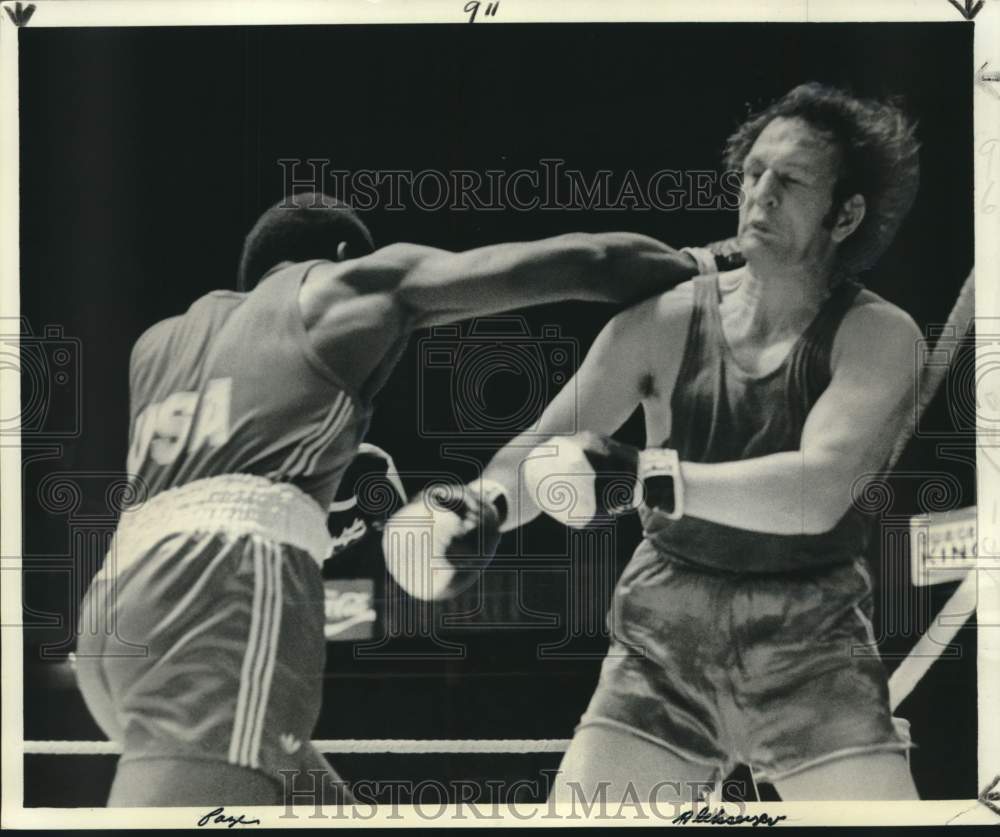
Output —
(880, 160)
(305, 226)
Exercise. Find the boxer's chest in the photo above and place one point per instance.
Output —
(757, 350)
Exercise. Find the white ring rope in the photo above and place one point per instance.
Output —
(929, 647)
(927, 650)
(342, 745)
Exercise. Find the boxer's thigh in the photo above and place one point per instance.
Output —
(871, 775)
(178, 781)
(612, 763)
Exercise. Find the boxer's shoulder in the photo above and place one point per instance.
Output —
(202, 315)
(374, 276)
(873, 314)
(375, 272)
(672, 309)
(873, 324)
(152, 340)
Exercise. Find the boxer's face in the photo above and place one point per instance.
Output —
(788, 180)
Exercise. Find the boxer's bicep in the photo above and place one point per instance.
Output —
(607, 387)
(854, 425)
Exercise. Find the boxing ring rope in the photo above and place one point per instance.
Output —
(931, 377)
(902, 682)
(925, 653)
(963, 601)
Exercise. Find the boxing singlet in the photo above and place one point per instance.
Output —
(234, 386)
(723, 414)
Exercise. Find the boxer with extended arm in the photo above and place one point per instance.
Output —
(245, 413)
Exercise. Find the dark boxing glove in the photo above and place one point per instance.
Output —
(717, 257)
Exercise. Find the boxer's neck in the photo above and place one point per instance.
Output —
(776, 298)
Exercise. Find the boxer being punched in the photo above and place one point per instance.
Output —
(769, 393)
(245, 412)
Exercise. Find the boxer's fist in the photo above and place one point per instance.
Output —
(437, 545)
(717, 257)
(727, 254)
(585, 478)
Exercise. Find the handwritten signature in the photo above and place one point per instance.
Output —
(218, 817)
(720, 817)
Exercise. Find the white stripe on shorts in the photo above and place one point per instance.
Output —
(258, 661)
(273, 559)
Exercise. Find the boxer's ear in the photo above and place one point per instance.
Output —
(849, 218)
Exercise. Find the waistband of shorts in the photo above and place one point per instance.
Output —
(801, 570)
(232, 505)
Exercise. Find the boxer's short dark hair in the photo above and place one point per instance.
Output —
(879, 160)
(300, 228)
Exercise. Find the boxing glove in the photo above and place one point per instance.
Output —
(717, 257)
(438, 544)
(587, 478)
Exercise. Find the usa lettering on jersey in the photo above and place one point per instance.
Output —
(167, 428)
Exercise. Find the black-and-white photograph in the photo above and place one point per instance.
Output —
(452, 416)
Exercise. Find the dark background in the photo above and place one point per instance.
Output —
(147, 154)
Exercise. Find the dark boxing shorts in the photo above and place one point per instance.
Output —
(208, 644)
(780, 672)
